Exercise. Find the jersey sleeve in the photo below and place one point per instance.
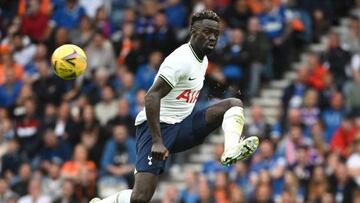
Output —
(170, 74)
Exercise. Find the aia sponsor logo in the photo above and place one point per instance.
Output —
(190, 97)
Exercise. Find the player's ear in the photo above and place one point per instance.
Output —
(192, 30)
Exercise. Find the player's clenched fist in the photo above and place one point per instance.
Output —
(159, 151)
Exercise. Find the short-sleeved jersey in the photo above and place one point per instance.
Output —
(185, 73)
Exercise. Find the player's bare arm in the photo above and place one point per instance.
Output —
(152, 105)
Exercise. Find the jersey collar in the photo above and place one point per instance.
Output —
(192, 50)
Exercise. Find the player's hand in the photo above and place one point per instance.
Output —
(159, 151)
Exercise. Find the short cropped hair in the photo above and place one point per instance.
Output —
(204, 14)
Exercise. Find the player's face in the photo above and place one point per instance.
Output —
(207, 35)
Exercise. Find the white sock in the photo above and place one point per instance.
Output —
(120, 197)
(233, 124)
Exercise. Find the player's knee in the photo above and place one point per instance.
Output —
(234, 102)
(137, 197)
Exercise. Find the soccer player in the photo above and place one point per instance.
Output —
(169, 125)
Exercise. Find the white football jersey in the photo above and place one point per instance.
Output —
(185, 73)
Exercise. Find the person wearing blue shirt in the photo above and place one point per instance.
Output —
(118, 159)
(333, 115)
(210, 168)
(147, 72)
(274, 21)
(68, 15)
(10, 90)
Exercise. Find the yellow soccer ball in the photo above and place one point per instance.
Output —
(68, 61)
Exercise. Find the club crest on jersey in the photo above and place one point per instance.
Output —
(189, 96)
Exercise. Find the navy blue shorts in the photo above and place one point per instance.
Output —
(177, 137)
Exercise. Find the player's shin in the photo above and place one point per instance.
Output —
(233, 124)
(120, 197)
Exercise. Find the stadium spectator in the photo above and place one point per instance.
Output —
(320, 146)
(10, 89)
(237, 14)
(316, 73)
(102, 22)
(258, 125)
(350, 39)
(336, 58)
(146, 73)
(310, 111)
(351, 91)
(5, 192)
(7, 62)
(293, 118)
(139, 103)
(100, 46)
(262, 194)
(353, 162)
(47, 87)
(161, 37)
(118, 159)
(171, 194)
(123, 117)
(320, 25)
(341, 184)
(82, 171)
(259, 50)
(122, 42)
(292, 187)
(289, 146)
(91, 6)
(175, 13)
(20, 184)
(53, 181)
(105, 109)
(88, 120)
(35, 23)
(84, 34)
(27, 130)
(94, 145)
(330, 88)
(235, 59)
(68, 15)
(67, 192)
(54, 149)
(343, 136)
(318, 184)
(224, 190)
(34, 193)
(190, 194)
(265, 159)
(212, 167)
(333, 115)
(205, 192)
(276, 24)
(293, 94)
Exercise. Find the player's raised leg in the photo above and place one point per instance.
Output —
(230, 114)
(144, 188)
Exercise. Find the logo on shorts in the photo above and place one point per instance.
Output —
(150, 162)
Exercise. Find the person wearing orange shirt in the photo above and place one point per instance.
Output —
(82, 171)
(7, 62)
(317, 72)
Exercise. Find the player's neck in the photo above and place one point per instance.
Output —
(197, 50)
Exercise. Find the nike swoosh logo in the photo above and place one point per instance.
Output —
(192, 78)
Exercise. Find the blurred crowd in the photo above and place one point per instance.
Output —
(68, 141)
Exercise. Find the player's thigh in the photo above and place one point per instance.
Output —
(144, 188)
(215, 113)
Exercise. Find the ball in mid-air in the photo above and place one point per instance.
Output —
(68, 61)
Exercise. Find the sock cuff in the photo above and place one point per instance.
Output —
(234, 111)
